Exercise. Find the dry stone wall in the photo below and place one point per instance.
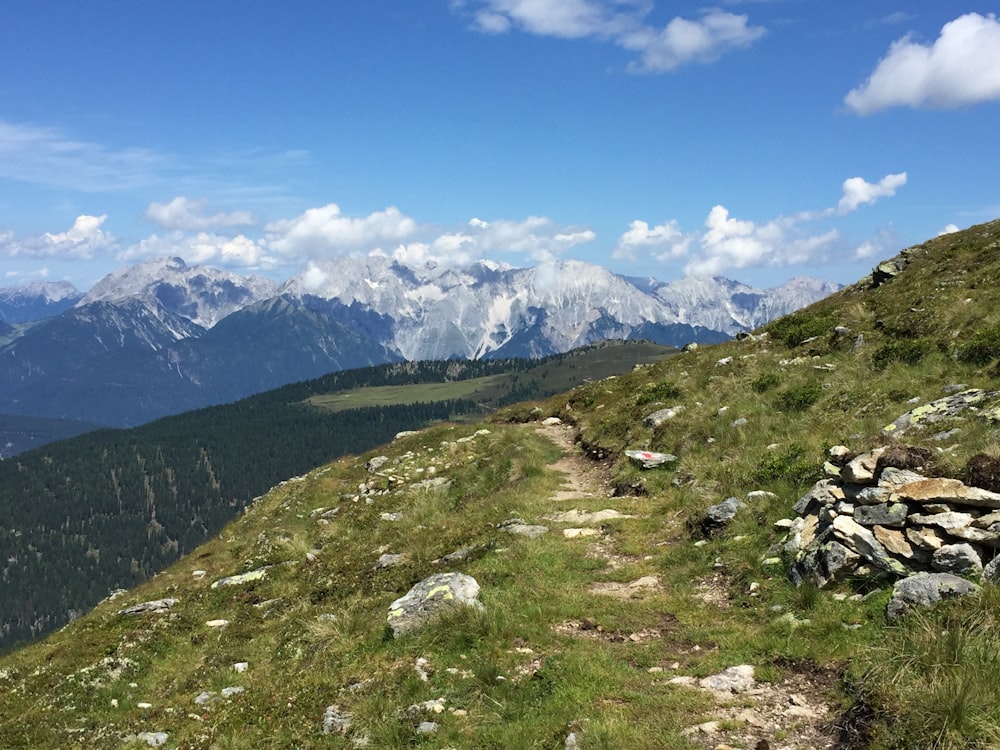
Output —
(869, 517)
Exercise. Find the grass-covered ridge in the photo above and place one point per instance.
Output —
(577, 635)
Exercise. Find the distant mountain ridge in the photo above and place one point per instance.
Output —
(162, 337)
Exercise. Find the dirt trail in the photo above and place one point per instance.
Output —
(794, 713)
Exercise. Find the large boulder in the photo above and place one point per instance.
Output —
(430, 599)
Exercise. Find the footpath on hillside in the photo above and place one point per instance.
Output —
(793, 713)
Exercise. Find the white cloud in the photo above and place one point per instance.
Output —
(683, 41)
(184, 213)
(623, 22)
(325, 231)
(561, 18)
(735, 243)
(664, 242)
(961, 67)
(537, 237)
(201, 248)
(728, 242)
(82, 241)
(858, 192)
(950, 229)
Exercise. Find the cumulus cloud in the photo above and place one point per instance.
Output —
(735, 243)
(664, 242)
(950, 229)
(82, 241)
(623, 22)
(200, 248)
(187, 214)
(728, 242)
(961, 67)
(858, 192)
(683, 41)
(326, 231)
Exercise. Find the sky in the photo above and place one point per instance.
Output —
(754, 139)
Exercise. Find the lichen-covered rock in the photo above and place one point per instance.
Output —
(883, 514)
(236, 580)
(936, 411)
(925, 589)
(430, 599)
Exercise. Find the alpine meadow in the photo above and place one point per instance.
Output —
(603, 604)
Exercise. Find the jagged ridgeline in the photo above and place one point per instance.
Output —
(592, 600)
(108, 509)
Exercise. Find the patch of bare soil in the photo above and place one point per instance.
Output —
(582, 478)
(794, 713)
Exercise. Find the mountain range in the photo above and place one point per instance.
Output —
(163, 337)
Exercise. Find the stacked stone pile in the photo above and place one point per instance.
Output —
(869, 517)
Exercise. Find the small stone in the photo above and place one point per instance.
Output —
(217, 623)
(551, 421)
(736, 679)
(241, 666)
(582, 532)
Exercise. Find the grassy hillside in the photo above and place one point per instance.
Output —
(110, 508)
(595, 633)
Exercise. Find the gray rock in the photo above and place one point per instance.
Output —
(947, 521)
(718, 516)
(376, 463)
(520, 527)
(870, 495)
(658, 418)
(991, 571)
(960, 559)
(736, 679)
(336, 721)
(157, 605)
(883, 514)
(427, 727)
(925, 589)
(431, 598)
(893, 477)
(823, 562)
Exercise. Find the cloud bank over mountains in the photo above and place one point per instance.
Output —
(324, 232)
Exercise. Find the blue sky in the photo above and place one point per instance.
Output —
(758, 140)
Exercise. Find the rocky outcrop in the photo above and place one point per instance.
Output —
(870, 517)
